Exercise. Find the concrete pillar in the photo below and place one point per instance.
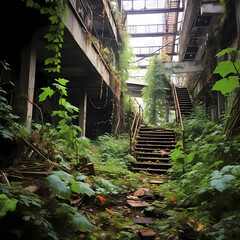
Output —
(221, 104)
(27, 80)
(83, 111)
(237, 3)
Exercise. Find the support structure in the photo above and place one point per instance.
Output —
(83, 111)
(27, 80)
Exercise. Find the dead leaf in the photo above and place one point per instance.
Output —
(172, 198)
(110, 211)
(141, 192)
(196, 224)
(101, 199)
(133, 197)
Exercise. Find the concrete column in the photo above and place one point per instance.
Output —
(83, 111)
(221, 104)
(27, 80)
(237, 3)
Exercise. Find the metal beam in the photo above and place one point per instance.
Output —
(159, 34)
(151, 11)
(151, 54)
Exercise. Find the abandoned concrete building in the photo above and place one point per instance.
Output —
(206, 30)
(90, 27)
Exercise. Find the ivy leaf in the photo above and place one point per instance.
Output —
(62, 81)
(46, 92)
(224, 68)
(61, 88)
(81, 187)
(58, 187)
(7, 204)
(54, 19)
(226, 85)
(81, 223)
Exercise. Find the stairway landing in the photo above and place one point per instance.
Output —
(152, 149)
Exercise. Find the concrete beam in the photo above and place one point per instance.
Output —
(82, 40)
(211, 8)
(159, 34)
(184, 67)
(110, 19)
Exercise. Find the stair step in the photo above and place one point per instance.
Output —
(155, 136)
(150, 170)
(152, 154)
(156, 133)
(157, 142)
(156, 146)
(151, 149)
(169, 138)
(152, 159)
(152, 165)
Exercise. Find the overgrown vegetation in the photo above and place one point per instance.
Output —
(154, 95)
(205, 174)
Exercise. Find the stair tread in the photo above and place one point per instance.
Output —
(152, 158)
(159, 146)
(152, 153)
(150, 149)
(153, 163)
(150, 141)
(149, 170)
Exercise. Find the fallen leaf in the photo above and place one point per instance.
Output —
(172, 198)
(141, 192)
(101, 199)
(133, 197)
(196, 224)
(110, 211)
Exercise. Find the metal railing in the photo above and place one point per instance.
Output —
(178, 113)
(137, 121)
(147, 4)
(152, 28)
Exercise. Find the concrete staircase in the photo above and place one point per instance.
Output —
(152, 148)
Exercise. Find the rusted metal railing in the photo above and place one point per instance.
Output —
(178, 113)
(137, 121)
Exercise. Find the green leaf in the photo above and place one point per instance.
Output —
(7, 204)
(81, 187)
(81, 223)
(62, 81)
(226, 85)
(221, 183)
(224, 68)
(46, 92)
(54, 19)
(63, 175)
(58, 187)
(61, 88)
(227, 50)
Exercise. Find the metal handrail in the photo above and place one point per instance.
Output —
(137, 121)
(178, 112)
